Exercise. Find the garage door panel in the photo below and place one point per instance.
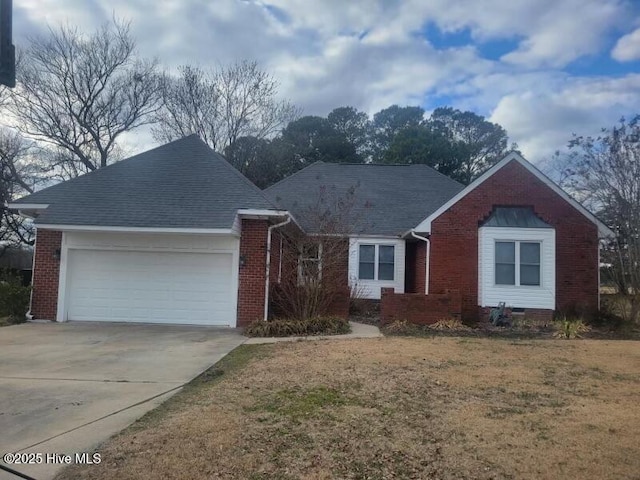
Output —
(155, 287)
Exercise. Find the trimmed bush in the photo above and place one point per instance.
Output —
(14, 298)
(282, 327)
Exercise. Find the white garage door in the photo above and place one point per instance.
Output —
(153, 287)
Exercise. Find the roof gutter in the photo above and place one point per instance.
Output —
(268, 266)
(427, 259)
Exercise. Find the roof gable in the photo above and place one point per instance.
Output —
(425, 225)
(182, 184)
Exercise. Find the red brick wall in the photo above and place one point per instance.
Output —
(251, 282)
(454, 240)
(529, 314)
(418, 308)
(44, 299)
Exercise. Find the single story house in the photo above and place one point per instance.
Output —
(177, 235)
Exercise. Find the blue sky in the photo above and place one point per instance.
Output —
(543, 69)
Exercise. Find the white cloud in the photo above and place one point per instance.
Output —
(542, 121)
(627, 48)
(371, 54)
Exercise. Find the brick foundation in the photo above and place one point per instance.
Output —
(44, 299)
(418, 308)
(537, 315)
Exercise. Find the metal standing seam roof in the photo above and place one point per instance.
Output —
(519, 217)
(388, 200)
(183, 184)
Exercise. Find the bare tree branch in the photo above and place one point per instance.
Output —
(81, 93)
(17, 178)
(221, 106)
(604, 172)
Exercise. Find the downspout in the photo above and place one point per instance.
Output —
(29, 315)
(268, 267)
(427, 259)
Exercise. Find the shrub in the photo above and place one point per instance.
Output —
(282, 327)
(449, 324)
(359, 304)
(570, 327)
(14, 298)
(401, 327)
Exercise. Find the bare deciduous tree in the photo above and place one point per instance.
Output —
(314, 273)
(80, 93)
(605, 172)
(222, 105)
(17, 178)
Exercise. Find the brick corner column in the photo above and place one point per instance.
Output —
(252, 276)
(46, 273)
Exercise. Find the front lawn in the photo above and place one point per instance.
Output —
(395, 408)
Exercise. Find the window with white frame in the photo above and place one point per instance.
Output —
(376, 262)
(517, 263)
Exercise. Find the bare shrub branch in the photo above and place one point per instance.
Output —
(315, 265)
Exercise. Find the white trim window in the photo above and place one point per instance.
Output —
(517, 263)
(376, 262)
(527, 268)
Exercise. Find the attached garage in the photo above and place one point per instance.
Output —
(154, 238)
(149, 278)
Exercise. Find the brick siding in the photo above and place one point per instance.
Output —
(418, 308)
(251, 281)
(536, 315)
(44, 299)
(454, 240)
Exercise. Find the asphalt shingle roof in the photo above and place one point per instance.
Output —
(183, 184)
(388, 199)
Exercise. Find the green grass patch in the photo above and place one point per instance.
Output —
(297, 403)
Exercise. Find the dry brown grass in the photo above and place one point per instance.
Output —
(397, 408)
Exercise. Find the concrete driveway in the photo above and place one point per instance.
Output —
(66, 387)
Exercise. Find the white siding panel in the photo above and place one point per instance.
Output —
(372, 288)
(490, 294)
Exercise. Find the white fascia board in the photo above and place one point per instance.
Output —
(346, 235)
(394, 237)
(26, 206)
(96, 228)
(261, 212)
(265, 214)
(425, 225)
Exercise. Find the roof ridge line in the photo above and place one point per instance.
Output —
(294, 174)
(239, 173)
